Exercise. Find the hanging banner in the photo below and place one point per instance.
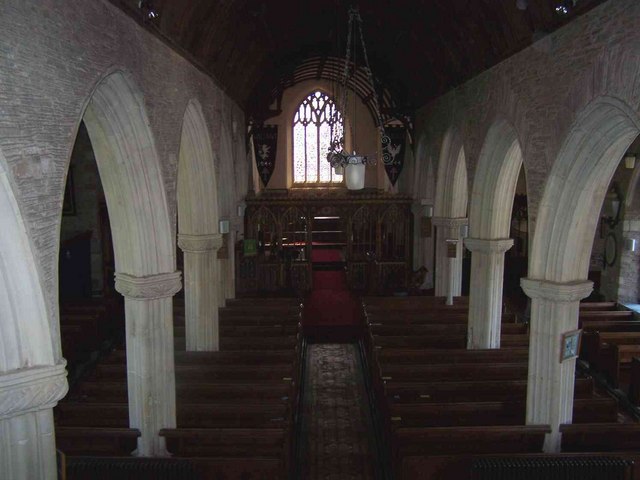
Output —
(393, 152)
(265, 144)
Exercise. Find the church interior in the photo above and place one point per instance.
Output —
(251, 240)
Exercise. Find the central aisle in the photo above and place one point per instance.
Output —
(337, 439)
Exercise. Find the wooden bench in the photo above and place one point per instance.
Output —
(593, 342)
(610, 325)
(600, 437)
(591, 306)
(615, 361)
(469, 391)
(438, 329)
(455, 372)
(96, 441)
(422, 356)
(634, 381)
(509, 412)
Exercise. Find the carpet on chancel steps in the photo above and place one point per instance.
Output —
(331, 312)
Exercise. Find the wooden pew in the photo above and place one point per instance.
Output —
(455, 372)
(585, 410)
(599, 437)
(615, 361)
(634, 381)
(469, 391)
(592, 306)
(422, 356)
(437, 329)
(250, 357)
(593, 342)
(96, 441)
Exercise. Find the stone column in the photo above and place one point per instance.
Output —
(554, 311)
(485, 293)
(27, 440)
(201, 290)
(448, 229)
(150, 360)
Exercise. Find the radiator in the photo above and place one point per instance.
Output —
(95, 468)
(552, 468)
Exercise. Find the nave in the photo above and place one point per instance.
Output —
(408, 401)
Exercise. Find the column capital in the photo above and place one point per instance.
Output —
(200, 243)
(555, 291)
(486, 245)
(449, 221)
(32, 389)
(148, 287)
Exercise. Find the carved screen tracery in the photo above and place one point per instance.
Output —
(263, 228)
(393, 233)
(294, 234)
(363, 234)
(312, 125)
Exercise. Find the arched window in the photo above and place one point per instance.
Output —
(311, 139)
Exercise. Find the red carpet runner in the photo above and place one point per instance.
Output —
(331, 312)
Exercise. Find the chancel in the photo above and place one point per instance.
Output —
(308, 240)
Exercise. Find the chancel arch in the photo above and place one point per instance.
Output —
(491, 205)
(450, 213)
(559, 259)
(198, 234)
(144, 250)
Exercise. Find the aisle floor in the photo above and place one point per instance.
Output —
(337, 438)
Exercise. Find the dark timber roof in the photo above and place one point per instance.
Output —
(418, 49)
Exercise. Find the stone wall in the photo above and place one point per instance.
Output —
(53, 56)
(540, 92)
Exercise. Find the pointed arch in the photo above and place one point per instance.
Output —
(495, 183)
(130, 172)
(575, 190)
(198, 212)
(452, 184)
(25, 334)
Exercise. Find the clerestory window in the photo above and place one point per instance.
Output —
(311, 138)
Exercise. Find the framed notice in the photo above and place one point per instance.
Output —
(570, 345)
(249, 247)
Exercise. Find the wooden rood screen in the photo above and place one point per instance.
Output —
(372, 232)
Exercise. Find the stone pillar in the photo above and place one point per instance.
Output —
(27, 440)
(554, 311)
(150, 360)
(448, 229)
(485, 292)
(201, 290)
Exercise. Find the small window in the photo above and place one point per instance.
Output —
(312, 129)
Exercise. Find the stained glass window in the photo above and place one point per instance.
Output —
(311, 138)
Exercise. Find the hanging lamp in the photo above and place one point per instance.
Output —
(353, 164)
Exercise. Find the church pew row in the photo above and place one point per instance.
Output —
(597, 306)
(457, 341)
(615, 362)
(437, 329)
(437, 355)
(468, 391)
(634, 381)
(96, 441)
(228, 357)
(209, 415)
(594, 342)
(231, 393)
(508, 412)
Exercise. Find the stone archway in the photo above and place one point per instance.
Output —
(32, 372)
(144, 251)
(559, 260)
(198, 235)
(491, 203)
(450, 213)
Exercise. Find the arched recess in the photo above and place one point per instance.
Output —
(130, 173)
(198, 217)
(452, 186)
(570, 206)
(495, 183)
(491, 204)
(450, 213)
(144, 250)
(25, 334)
(559, 260)
(197, 182)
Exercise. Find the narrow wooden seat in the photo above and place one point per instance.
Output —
(433, 356)
(225, 442)
(600, 437)
(469, 391)
(591, 306)
(96, 441)
(585, 410)
(455, 440)
(438, 329)
(589, 325)
(250, 357)
(432, 341)
(455, 372)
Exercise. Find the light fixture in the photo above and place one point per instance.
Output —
(353, 163)
(223, 226)
(522, 4)
(565, 7)
(464, 231)
(612, 205)
(148, 10)
(630, 244)
(630, 161)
